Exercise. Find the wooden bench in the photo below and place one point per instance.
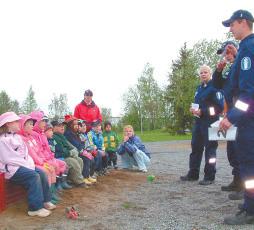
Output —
(9, 193)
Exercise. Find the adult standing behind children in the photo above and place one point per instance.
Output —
(87, 110)
(242, 113)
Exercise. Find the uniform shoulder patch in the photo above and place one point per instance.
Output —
(246, 63)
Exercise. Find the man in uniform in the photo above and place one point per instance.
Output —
(242, 113)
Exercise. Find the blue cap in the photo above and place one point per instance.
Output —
(224, 45)
(239, 14)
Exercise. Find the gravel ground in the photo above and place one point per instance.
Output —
(165, 203)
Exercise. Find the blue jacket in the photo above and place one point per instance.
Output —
(207, 96)
(96, 139)
(223, 81)
(131, 146)
(74, 139)
(243, 81)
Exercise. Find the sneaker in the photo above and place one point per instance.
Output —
(49, 206)
(188, 178)
(242, 217)
(115, 167)
(87, 182)
(236, 195)
(143, 170)
(206, 182)
(92, 180)
(41, 212)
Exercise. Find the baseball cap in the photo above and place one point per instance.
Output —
(239, 14)
(57, 122)
(224, 45)
(88, 92)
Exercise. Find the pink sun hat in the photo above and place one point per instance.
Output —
(8, 117)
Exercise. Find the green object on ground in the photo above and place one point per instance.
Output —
(150, 178)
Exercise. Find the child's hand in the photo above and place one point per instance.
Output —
(125, 138)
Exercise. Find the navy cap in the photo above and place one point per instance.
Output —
(239, 14)
(95, 123)
(88, 92)
(224, 45)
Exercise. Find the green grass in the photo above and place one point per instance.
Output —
(159, 135)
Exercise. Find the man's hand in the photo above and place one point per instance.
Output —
(225, 124)
(195, 112)
(231, 49)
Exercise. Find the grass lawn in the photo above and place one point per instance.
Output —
(159, 135)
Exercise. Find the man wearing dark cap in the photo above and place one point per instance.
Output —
(87, 110)
(242, 113)
(222, 80)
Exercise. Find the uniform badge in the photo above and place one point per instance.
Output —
(245, 63)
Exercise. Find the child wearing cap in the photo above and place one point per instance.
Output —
(41, 139)
(19, 167)
(64, 150)
(132, 151)
(62, 179)
(111, 142)
(95, 137)
(26, 129)
(71, 134)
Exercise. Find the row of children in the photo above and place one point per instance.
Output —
(48, 157)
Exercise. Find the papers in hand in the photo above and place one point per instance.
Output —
(195, 107)
(214, 134)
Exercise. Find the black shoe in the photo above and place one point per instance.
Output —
(231, 187)
(206, 182)
(240, 218)
(236, 195)
(188, 178)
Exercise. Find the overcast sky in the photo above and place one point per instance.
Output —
(69, 46)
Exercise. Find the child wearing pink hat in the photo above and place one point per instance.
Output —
(19, 167)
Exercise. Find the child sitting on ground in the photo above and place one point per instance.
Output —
(95, 137)
(71, 134)
(19, 167)
(111, 142)
(133, 151)
(63, 149)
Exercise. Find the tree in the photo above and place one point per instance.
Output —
(30, 103)
(106, 114)
(204, 52)
(180, 91)
(15, 107)
(59, 106)
(5, 102)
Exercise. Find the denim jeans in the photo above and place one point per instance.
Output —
(139, 159)
(98, 161)
(36, 184)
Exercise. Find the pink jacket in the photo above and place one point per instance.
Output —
(33, 147)
(40, 137)
(13, 154)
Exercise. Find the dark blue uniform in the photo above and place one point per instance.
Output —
(207, 97)
(223, 81)
(242, 115)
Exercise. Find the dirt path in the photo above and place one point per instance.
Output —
(126, 200)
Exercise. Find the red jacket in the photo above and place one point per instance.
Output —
(89, 113)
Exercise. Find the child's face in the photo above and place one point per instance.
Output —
(42, 125)
(13, 126)
(75, 126)
(58, 129)
(97, 128)
(108, 128)
(28, 127)
(82, 128)
(49, 133)
(128, 132)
